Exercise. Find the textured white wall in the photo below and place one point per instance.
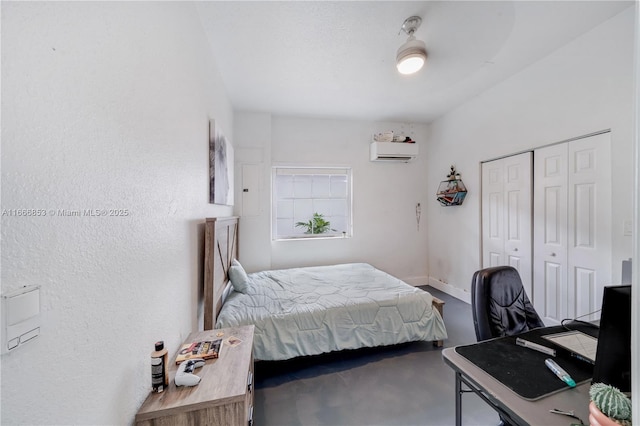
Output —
(385, 232)
(583, 87)
(104, 106)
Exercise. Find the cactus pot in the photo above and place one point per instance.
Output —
(597, 418)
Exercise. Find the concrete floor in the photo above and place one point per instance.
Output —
(406, 384)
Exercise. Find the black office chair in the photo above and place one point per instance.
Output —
(500, 305)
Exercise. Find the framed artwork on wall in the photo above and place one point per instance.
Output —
(220, 167)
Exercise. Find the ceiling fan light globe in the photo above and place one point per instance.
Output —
(410, 64)
(411, 56)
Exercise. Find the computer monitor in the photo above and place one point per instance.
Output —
(613, 355)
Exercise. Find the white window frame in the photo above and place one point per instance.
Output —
(334, 206)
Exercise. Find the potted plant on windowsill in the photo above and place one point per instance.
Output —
(317, 225)
(608, 406)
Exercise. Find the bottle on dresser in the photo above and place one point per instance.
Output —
(159, 368)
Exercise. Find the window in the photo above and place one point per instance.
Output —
(312, 202)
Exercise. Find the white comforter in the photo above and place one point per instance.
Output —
(308, 311)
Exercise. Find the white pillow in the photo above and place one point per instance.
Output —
(238, 277)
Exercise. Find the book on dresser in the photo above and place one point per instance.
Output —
(202, 349)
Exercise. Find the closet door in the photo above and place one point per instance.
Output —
(550, 233)
(506, 214)
(589, 212)
(572, 228)
(492, 214)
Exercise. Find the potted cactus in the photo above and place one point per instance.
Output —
(608, 406)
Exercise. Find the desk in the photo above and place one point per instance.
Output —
(510, 404)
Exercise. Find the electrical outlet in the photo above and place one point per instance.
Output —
(628, 227)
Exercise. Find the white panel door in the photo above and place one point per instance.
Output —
(550, 233)
(251, 191)
(492, 214)
(572, 228)
(506, 214)
(589, 211)
(518, 246)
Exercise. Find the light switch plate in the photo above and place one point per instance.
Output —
(20, 317)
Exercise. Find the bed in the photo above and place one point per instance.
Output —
(313, 310)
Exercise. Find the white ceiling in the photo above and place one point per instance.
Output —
(337, 59)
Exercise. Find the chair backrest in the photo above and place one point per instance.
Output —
(500, 305)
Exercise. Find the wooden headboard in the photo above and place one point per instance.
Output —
(220, 248)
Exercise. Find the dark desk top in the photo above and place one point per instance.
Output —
(522, 369)
(521, 410)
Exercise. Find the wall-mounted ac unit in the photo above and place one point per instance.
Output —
(393, 151)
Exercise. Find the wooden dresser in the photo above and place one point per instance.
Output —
(224, 395)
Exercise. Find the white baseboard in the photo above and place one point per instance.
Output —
(451, 290)
(416, 281)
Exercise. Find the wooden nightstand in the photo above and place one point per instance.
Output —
(224, 395)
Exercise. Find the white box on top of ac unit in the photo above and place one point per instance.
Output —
(20, 317)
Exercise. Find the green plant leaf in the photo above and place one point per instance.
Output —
(316, 225)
